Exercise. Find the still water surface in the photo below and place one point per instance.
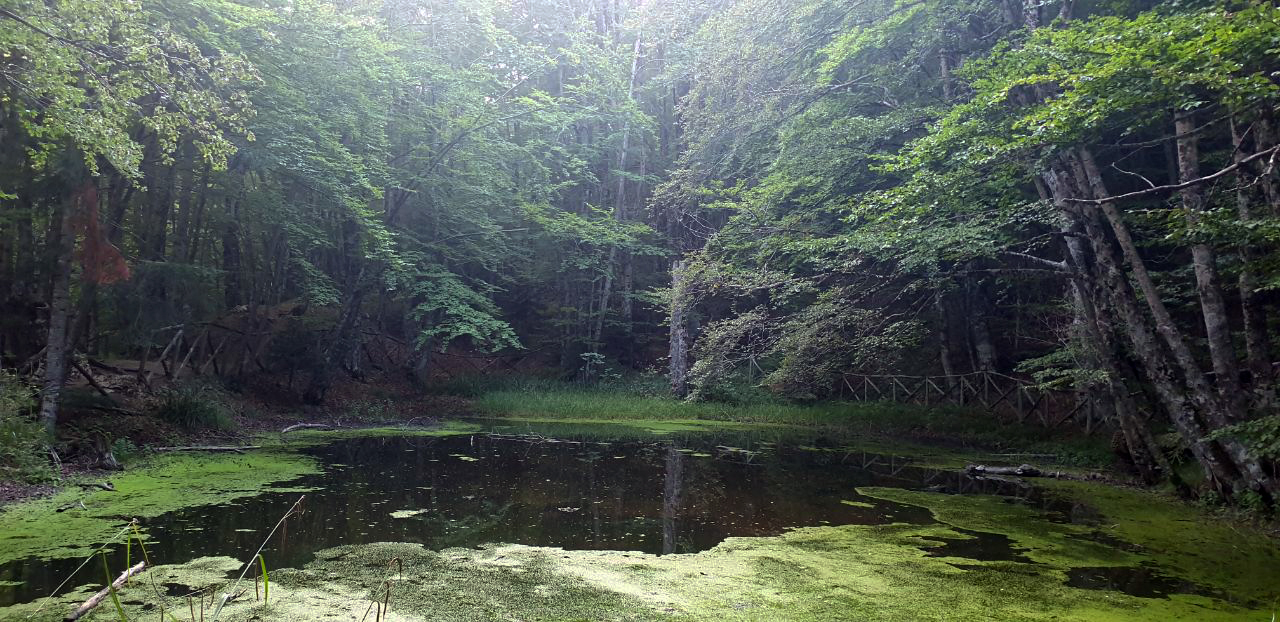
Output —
(661, 496)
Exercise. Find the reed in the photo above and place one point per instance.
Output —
(115, 599)
(266, 580)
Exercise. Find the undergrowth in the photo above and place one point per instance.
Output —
(23, 442)
(193, 408)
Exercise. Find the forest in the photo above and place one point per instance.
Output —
(738, 206)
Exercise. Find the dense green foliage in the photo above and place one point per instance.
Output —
(785, 192)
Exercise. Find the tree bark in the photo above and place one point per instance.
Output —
(983, 348)
(1095, 331)
(231, 255)
(1256, 340)
(945, 335)
(1202, 398)
(58, 343)
(105, 592)
(619, 207)
(1208, 286)
(678, 352)
(339, 344)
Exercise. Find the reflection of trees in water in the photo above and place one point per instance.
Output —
(441, 531)
(671, 488)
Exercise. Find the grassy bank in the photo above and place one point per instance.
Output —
(935, 425)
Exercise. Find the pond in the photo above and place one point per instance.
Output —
(594, 490)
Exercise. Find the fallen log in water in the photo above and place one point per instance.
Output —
(307, 426)
(235, 448)
(102, 594)
(1025, 470)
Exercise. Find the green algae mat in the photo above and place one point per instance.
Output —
(668, 524)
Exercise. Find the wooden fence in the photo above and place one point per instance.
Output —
(989, 391)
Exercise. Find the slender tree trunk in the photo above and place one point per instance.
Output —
(231, 255)
(339, 344)
(156, 225)
(58, 343)
(983, 348)
(945, 335)
(1208, 285)
(182, 217)
(619, 208)
(948, 84)
(1269, 178)
(1094, 329)
(678, 352)
(1120, 297)
(1203, 398)
(1257, 342)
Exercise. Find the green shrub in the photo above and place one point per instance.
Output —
(23, 442)
(193, 408)
(1261, 436)
(124, 450)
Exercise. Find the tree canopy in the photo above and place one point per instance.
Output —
(773, 192)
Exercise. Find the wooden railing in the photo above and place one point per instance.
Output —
(990, 391)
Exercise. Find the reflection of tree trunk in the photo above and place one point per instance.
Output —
(679, 350)
(671, 498)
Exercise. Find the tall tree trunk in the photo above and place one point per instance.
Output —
(1203, 398)
(619, 207)
(1257, 342)
(983, 348)
(156, 218)
(1095, 330)
(1208, 286)
(1120, 297)
(678, 353)
(339, 343)
(1269, 178)
(948, 83)
(945, 335)
(232, 287)
(58, 343)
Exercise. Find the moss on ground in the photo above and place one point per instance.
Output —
(629, 429)
(163, 483)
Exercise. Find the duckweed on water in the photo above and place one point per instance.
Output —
(855, 572)
(1219, 554)
(165, 483)
(810, 574)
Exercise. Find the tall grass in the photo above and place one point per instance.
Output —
(534, 398)
(193, 408)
